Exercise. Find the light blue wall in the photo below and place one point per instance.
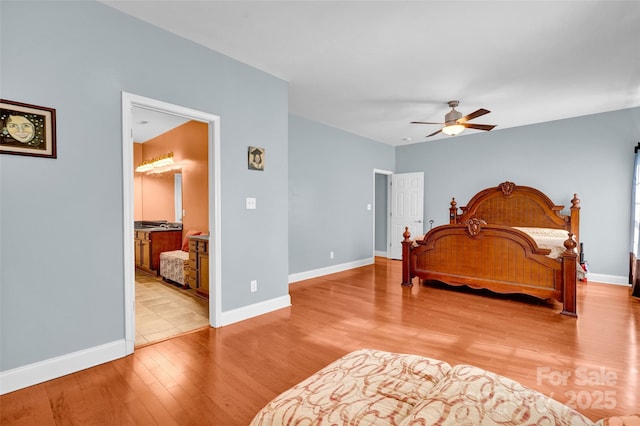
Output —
(331, 181)
(61, 219)
(591, 156)
(61, 266)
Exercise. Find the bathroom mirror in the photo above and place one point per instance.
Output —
(177, 196)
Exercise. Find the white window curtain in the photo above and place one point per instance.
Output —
(634, 272)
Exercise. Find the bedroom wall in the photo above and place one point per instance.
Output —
(331, 181)
(590, 155)
(61, 219)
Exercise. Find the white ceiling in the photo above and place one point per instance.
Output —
(148, 124)
(371, 67)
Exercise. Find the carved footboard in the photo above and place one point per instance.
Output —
(493, 257)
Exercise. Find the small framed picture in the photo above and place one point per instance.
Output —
(256, 158)
(27, 129)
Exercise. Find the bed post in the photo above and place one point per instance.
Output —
(406, 258)
(453, 212)
(575, 218)
(569, 265)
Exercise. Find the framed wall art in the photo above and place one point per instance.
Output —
(27, 129)
(256, 158)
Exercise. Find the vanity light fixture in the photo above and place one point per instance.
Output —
(161, 161)
(144, 167)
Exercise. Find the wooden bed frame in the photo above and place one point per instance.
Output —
(634, 274)
(481, 249)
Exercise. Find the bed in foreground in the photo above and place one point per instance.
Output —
(508, 239)
(371, 387)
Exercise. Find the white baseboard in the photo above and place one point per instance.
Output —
(329, 270)
(42, 371)
(380, 253)
(32, 374)
(600, 278)
(38, 372)
(246, 312)
(608, 279)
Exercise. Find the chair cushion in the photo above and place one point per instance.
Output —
(185, 240)
(173, 265)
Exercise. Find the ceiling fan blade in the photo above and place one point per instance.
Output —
(434, 133)
(473, 115)
(424, 122)
(478, 126)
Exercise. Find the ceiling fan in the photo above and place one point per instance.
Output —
(455, 123)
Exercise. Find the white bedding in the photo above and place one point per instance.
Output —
(548, 238)
(552, 239)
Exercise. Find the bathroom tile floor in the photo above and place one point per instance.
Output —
(164, 310)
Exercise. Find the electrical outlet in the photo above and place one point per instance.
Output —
(251, 203)
(254, 286)
(330, 255)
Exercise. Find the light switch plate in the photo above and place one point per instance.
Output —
(251, 203)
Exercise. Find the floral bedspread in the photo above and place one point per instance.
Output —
(370, 387)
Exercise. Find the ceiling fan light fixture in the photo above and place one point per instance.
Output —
(455, 123)
(452, 129)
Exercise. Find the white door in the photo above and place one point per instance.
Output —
(407, 202)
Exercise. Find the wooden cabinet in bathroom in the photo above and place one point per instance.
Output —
(198, 277)
(148, 244)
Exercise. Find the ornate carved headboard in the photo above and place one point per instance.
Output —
(511, 205)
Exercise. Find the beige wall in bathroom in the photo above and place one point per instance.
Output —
(153, 194)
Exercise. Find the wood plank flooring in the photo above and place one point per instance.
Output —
(224, 376)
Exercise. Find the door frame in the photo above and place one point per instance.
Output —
(387, 173)
(129, 101)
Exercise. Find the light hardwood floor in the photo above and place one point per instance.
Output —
(224, 376)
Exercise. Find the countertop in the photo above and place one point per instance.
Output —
(156, 229)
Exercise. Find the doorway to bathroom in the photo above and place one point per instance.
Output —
(129, 103)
